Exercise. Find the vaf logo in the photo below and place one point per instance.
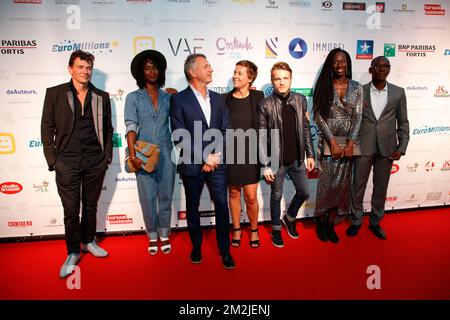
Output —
(183, 43)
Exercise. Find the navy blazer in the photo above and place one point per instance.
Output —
(185, 112)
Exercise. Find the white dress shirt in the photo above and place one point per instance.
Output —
(378, 99)
(205, 104)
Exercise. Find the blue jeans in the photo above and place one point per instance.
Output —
(297, 173)
(154, 187)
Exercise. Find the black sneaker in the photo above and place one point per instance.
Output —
(196, 256)
(290, 226)
(277, 241)
(352, 230)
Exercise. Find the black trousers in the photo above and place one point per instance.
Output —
(79, 178)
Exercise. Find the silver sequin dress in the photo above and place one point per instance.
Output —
(333, 189)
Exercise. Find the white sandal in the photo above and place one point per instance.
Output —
(153, 247)
(166, 247)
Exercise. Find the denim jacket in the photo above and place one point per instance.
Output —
(150, 125)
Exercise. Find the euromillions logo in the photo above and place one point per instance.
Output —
(389, 49)
(298, 48)
(364, 49)
(272, 47)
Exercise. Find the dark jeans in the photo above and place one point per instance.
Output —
(217, 184)
(79, 177)
(297, 173)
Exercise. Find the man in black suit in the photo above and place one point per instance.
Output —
(201, 113)
(384, 136)
(76, 133)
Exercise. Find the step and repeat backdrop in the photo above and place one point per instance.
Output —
(37, 37)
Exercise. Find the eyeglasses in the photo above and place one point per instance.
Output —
(381, 66)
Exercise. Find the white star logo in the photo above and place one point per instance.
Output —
(365, 48)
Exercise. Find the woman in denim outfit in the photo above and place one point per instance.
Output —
(147, 119)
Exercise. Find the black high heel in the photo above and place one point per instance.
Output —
(236, 242)
(254, 243)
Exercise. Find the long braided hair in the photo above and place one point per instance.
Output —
(323, 91)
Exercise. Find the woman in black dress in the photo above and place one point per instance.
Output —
(244, 172)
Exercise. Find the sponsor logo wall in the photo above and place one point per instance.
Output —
(38, 36)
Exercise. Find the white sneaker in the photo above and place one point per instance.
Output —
(94, 249)
(69, 265)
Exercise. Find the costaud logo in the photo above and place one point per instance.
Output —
(364, 49)
(234, 47)
(272, 47)
(298, 48)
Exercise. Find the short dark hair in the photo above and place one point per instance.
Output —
(140, 79)
(83, 55)
(375, 60)
(252, 69)
(190, 62)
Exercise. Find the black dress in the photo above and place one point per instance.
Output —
(241, 117)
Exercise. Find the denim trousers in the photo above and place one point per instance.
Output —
(296, 172)
(155, 192)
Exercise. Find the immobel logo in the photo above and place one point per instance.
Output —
(7, 143)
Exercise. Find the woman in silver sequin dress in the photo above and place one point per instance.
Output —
(337, 111)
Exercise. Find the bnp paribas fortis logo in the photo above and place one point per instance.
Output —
(389, 49)
(7, 143)
(117, 140)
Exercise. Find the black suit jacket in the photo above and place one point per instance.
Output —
(58, 117)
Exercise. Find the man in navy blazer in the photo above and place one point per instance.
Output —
(199, 115)
(384, 136)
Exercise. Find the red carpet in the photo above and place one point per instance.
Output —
(414, 263)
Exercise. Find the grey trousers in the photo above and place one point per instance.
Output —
(381, 174)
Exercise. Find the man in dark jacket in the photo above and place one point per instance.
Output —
(284, 129)
(76, 133)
